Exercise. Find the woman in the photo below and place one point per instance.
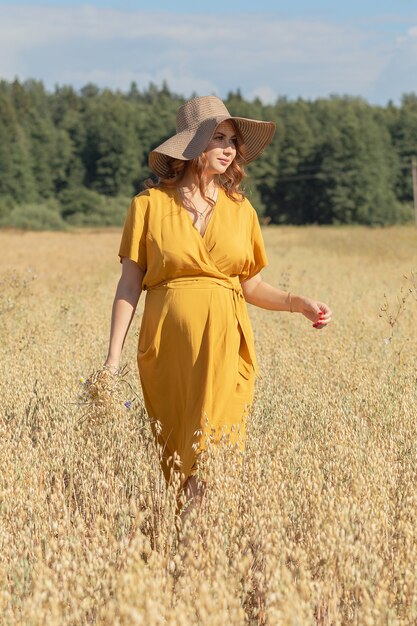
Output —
(193, 242)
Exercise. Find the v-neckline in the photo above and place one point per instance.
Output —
(188, 216)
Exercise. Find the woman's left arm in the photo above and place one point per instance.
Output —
(265, 296)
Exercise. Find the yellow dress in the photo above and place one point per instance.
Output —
(196, 353)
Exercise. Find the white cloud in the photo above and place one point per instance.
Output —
(265, 93)
(399, 74)
(265, 57)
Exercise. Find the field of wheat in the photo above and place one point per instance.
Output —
(316, 526)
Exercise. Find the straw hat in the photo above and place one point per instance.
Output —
(197, 120)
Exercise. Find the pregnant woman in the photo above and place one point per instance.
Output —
(193, 242)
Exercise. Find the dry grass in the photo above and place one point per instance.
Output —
(318, 526)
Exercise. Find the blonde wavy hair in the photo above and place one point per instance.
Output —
(229, 181)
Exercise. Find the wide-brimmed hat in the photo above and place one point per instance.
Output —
(197, 120)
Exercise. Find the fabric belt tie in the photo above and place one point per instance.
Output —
(239, 303)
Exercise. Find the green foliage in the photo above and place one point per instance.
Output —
(404, 213)
(402, 123)
(110, 152)
(44, 216)
(6, 206)
(356, 166)
(84, 207)
(16, 179)
(332, 161)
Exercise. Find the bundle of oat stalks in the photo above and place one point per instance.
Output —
(105, 391)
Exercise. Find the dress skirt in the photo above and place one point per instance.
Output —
(195, 370)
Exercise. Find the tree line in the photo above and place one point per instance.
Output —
(72, 157)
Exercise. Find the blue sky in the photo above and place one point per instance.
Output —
(323, 8)
(266, 48)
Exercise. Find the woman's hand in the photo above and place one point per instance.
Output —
(256, 291)
(317, 312)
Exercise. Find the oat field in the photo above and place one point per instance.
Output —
(317, 526)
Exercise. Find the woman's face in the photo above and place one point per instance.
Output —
(222, 149)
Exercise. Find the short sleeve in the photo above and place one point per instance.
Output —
(257, 258)
(133, 243)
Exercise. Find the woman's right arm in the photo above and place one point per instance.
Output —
(125, 301)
